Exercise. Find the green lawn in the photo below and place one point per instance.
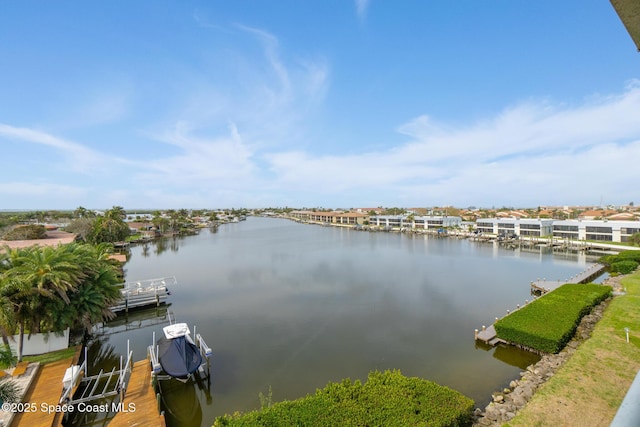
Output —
(589, 388)
(53, 356)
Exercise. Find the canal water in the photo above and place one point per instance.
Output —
(288, 307)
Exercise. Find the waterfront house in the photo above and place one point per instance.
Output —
(415, 222)
(533, 227)
(600, 230)
(576, 229)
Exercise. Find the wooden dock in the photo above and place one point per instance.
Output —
(489, 336)
(540, 287)
(45, 390)
(141, 396)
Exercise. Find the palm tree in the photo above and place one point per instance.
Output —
(94, 297)
(54, 288)
(50, 269)
(108, 229)
(98, 291)
(21, 298)
(36, 275)
(116, 212)
(82, 212)
(160, 222)
(7, 323)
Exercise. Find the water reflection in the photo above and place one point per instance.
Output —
(134, 319)
(145, 250)
(181, 403)
(292, 307)
(515, 356)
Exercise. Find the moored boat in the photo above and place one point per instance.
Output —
(177, 355)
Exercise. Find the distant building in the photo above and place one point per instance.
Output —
(600, 230)
(577, 229)
(348, 218)
(515, 226)
(415, 222)
(138, 217)
(377, 211)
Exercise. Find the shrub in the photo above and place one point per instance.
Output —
(548, 323)
(9, 391)
(630, 255)
(26, 232)
(386, 399)
(7, 357)
(624, 267)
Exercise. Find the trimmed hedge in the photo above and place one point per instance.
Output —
(386, 399)
(623, 263)
(548, 323)
(624, 267)
(629, 255)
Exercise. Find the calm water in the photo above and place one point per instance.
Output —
(292, 307)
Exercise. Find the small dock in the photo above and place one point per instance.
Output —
(541, 287)
(150, 292)
(489, 336)
(141, 394)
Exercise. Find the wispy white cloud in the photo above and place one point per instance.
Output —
(272, 54)
(202, 21)
(102, 108)
(269, 97)
(361, 8)
(201, 161)
(529, 152)
(79, 158)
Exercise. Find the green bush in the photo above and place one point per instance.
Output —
(628, 256)
(548, 323)
(624, 267)
(9, 391)
(7, 357)
(26, 232)
(622, 256)
(386, 399)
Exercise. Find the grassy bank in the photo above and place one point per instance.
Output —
(589, 388)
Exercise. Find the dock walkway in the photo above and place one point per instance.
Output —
(543, 286)
(142, 398)
(44, 392)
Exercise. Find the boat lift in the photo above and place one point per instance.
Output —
(74, 378)
(205, 352)
(144, 293)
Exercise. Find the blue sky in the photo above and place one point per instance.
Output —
(334, 103)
